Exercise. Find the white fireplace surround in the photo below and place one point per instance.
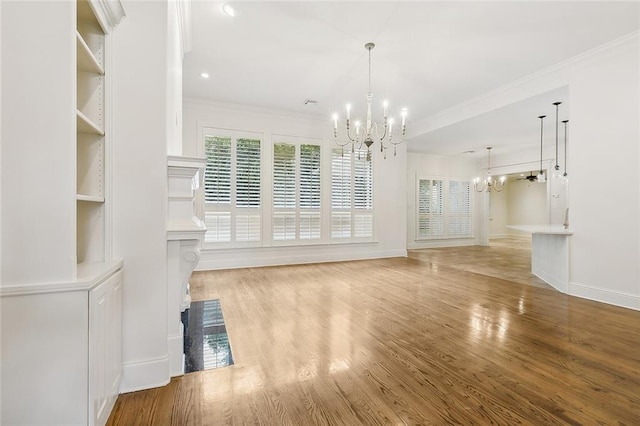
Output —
(185, 232)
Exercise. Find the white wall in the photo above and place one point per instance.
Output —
(519, 203)
(1, 192)
(445, 167)
(140, 105)
(605, 250)
(603, 143)
(499, 212)
(174, 81)
(527, 203)
(0, 176)
(38, 162)
(389, 184)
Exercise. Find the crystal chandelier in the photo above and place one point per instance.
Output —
(371, 131)
(489, 183)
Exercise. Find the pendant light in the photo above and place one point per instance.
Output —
(565, 148)
(556, 167)
(541, 176)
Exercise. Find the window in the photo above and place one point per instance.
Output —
(351, 195)
(430, 209)
(296, 190)
(232, 183)
(309, 200)
(310, 192)
(459, 208)
(443, 214)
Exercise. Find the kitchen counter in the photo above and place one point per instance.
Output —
(549, 253)
(542, 229)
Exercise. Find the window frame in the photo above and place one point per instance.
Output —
(352, 211)
(298, 211)
(447, 215)
(232, 208)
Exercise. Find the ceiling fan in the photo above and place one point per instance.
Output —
(530, 178)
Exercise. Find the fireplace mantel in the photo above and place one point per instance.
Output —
(185, 232)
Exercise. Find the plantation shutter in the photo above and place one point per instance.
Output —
(284, 191)
(430, 208)
(247, 214)
(217, 173)
(248, 173)
(309, 192)
(232, 188)
(459, 216)
(340, 193)
(217, 188)
(218, 227)
(363, 196)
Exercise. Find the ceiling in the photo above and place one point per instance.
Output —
(429, 56)
(512, 128)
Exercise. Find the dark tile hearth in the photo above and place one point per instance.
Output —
(206, 344)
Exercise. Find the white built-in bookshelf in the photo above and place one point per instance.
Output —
(91, 137)
(68, 347)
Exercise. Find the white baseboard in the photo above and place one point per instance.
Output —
(500, 236)
(145, 374)
(617, 298)
(241, 258)
(443, 243)
(176, 355)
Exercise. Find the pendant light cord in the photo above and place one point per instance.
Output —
(541, 132)
(565, 147)
(557, 104)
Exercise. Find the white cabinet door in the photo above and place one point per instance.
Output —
(105, 347)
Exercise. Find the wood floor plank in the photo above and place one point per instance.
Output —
(448, 336)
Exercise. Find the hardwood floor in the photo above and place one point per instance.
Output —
(404, 341)
(507, 258)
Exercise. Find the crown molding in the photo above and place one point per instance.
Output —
(208, 103)
(553, 76)
(108, 12)
(183, 8)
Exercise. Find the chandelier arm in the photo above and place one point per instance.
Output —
(349, 133)
(374, 125)
(370, 129)
(395, 143)
(342, 144)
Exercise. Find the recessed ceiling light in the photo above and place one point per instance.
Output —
(204, 75)
(229, 10)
